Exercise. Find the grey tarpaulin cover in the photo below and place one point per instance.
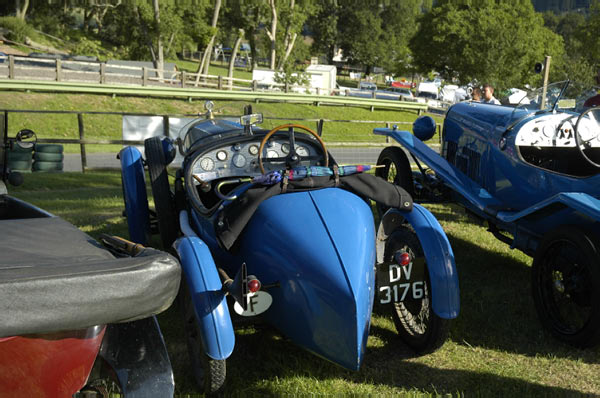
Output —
(55, 277)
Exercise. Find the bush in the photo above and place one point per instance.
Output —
(88, 47)
(17, 29)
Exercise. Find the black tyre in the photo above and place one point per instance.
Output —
(416, 323)
(47, 166)
(48, 156)
(209, 373)
(566, 285)
(396, 170)
(19, 149)
(18, 156)
(49, 148)
(164, 203)
(21, 165)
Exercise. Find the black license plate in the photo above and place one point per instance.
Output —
(398, 283)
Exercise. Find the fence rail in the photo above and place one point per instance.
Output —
(56, 75)
(82, 141)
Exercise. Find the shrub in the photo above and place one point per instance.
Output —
(17, 29)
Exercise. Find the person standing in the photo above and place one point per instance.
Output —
(476, 94)
(488, 95)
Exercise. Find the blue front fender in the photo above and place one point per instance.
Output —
(438, 254)
(134, 194)
(212, 312)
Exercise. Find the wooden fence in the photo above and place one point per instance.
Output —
(82, 141)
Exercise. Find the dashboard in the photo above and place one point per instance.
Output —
(558, 130)
(240, 159)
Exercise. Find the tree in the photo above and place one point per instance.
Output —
(324, 27)
(589, 38)
(21, 7)
(292, 14)
(377, 32)
(361, 36)
(489, 41)
(206, 56)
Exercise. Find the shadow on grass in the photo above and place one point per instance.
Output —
(497, 309)
(262, 359)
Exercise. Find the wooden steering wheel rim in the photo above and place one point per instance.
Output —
(283, 126)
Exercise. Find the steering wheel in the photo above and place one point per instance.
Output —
(592, 116)
(292, 159)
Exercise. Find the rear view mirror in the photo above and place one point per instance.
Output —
(249, 120)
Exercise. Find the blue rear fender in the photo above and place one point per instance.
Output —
(216, 328)
(134, 194)
(438, 254)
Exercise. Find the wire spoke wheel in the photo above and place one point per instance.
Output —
(416, 323)
(209, 373)
(565, 282)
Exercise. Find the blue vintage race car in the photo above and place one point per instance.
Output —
(269, 228)
(531, 170)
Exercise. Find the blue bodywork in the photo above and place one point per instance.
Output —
(484, 165)
(209, 299)
(438, 254)
(314, 252)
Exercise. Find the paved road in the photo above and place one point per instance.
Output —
(345, 155)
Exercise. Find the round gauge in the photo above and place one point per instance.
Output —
(285, 148)
(272, 154)
(548, 130)
(239, 160)
(221, 155)
(207, 164)
(253, 150)
(302, 151)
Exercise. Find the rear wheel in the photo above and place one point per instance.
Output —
(396, 169)
(163, 198)
(566, 285)
(417, 325)
(209, 373)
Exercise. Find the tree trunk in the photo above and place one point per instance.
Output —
(206, 57)
(289, 38)
(288, 51)
(21, 9)
(236, 46)
(205, 60)
(273, 33)
(160, 62)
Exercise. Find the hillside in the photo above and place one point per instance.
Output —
(98, 126)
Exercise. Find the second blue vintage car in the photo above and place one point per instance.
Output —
(268, 227)
(532, 171)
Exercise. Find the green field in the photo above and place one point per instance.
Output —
(496, 345)
(65, 126)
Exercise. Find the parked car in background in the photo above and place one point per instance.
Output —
(367, 86)
(427, 89)
(403, 92)
(403, 83)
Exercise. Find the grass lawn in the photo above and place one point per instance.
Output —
(63, 126)
(496, 345)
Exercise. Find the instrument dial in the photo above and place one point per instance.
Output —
(221, 155)
(253, 150)
(207, 164)
(285, 148)
(239, 160)
(272, 154)
(302, 151)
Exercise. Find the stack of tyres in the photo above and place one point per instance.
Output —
(48, 157)
(19, 159)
